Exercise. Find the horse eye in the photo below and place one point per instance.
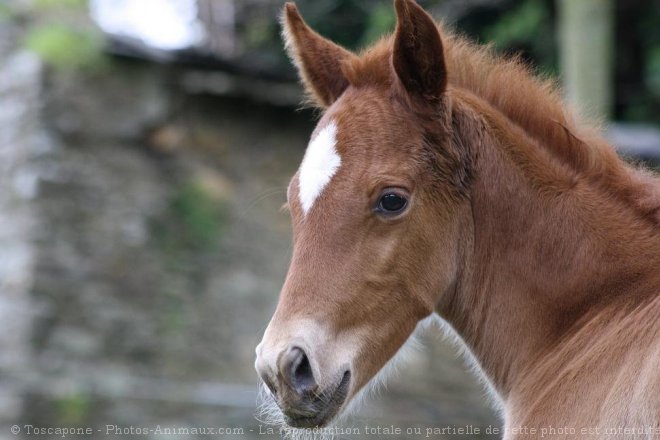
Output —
(392, 203)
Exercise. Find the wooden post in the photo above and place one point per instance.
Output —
(219, 18)
(586, 32)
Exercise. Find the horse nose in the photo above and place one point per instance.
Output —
(290, 375)
(294, 378)
(295, 369)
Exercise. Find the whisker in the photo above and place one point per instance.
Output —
(261, 197)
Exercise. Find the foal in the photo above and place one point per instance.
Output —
(444, 180)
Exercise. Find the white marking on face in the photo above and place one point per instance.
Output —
(320, 163)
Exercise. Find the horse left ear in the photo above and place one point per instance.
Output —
(418, 57)
(319, 60)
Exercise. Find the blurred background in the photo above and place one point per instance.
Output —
(145, 148)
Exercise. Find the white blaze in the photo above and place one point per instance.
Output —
(320, 163)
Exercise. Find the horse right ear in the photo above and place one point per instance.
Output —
(318, 60)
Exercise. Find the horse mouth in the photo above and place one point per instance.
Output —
(326, 407)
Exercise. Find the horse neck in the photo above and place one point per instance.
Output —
(546, 249)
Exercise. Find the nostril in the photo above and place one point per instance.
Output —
(303, 378)
(298, 371)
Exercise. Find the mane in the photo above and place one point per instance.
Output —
(532, 103)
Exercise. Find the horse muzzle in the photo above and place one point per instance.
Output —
(294, 387)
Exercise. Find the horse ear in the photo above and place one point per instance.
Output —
(418, 57)
(318, 60)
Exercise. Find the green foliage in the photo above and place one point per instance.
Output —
(73, 410)
(199, 215)
(653, 71)
(65, 48)
(186, 236)
(260, 32)
(193, 222)
(521, 25)
(172, 319)
(6, 12)
(381, 20)
(526, 28)
(49, 4)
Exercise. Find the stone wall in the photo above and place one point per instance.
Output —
(143, 249)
